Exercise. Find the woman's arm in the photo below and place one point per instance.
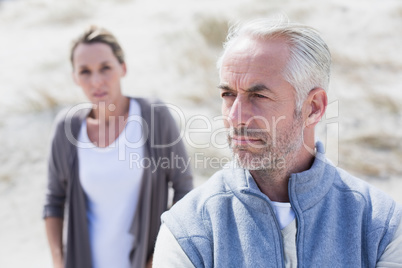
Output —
(54, 232)
(180, 172)
(53, 212)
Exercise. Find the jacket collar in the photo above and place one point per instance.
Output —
(305, 188)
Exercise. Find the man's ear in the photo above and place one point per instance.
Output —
(315, 106)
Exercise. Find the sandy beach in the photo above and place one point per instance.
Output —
(171, 49)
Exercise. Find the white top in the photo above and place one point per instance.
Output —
(284, 213)
(111, 185)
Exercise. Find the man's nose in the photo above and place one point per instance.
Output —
(240, 112)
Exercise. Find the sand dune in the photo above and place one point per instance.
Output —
(171, 49)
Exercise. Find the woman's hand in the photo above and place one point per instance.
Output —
(149, 263)
(54, 228)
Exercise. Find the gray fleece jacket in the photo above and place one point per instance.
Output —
(341, 220)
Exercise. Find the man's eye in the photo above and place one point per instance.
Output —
(259, 96)
(227, 94)
(105, 68)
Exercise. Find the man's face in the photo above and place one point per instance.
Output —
(259, 104)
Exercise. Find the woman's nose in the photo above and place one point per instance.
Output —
(96, 79)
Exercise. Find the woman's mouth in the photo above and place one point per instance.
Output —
(99, 94)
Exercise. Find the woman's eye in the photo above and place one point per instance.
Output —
(84, 72)
(105, 68)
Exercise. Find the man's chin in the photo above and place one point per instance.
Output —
(249, 165)
(247, 150)
(247, 160)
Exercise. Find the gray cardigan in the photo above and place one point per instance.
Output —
(65, 197)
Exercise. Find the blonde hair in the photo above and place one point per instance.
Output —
(96, 34)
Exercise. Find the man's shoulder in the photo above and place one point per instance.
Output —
(188, 218)
(379, 205)
(207, 197)
(215, 186)
(349, 183)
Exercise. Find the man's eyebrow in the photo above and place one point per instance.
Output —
(258, 88)
(225, 87)
(253, 89)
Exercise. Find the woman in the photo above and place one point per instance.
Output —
(106, 191)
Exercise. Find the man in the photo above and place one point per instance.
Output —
(281, 203)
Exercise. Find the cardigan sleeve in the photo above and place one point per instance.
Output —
(57, 177)
(179, 171)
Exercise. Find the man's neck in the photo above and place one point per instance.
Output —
(275, 186)
(274, 183)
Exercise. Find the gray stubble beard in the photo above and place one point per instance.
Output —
(276, 157)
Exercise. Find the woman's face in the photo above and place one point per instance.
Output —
(98, 72)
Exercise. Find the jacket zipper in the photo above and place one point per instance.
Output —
(297, 222)
(277, 227)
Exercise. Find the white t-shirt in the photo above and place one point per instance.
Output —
(111, 183)
(284, 213)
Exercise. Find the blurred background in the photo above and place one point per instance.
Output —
(171, 48)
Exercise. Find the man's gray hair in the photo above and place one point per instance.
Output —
(309, 65)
